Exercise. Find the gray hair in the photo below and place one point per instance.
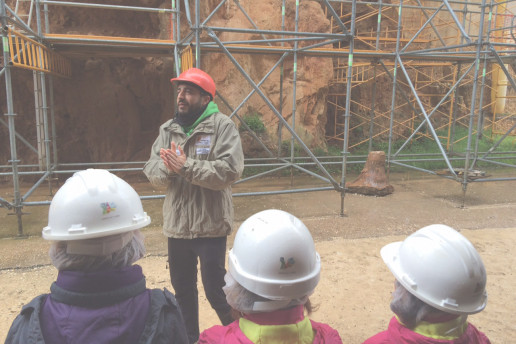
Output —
(409, 309)
(245, 301)
(62, 259)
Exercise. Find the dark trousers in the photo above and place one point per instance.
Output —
(182, 257)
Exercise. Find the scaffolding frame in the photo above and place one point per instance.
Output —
(464, 36)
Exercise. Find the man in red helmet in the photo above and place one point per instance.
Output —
(197, 156)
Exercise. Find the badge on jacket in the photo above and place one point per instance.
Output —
(202, 146)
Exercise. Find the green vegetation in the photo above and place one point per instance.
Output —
(254, 122)
(422, 152)
(426, 149)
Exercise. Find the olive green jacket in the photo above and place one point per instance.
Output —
(198, 201)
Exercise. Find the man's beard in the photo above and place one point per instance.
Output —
(188, 118)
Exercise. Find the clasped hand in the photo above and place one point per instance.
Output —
(173, 158)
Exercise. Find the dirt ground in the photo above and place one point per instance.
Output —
(354, 291)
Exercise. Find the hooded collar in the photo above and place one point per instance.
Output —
(188, 128)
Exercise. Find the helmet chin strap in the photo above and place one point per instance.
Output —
(99, 246)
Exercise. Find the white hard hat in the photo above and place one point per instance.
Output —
(94, 203)
(439, 266)
(274, 256)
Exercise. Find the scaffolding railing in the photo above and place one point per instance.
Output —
(29, 54)
(423, 76)
(429, 55)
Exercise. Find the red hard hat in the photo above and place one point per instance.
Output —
(199, 78)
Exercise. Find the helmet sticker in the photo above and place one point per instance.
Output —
(107, 207)
(288, 264)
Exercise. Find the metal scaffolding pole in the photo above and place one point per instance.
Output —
(17, 202)
(294, 84)
(473, 103)
(347, 110)
(44, 108)
(393, 94)
(280, 102)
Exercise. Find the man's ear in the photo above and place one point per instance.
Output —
(205, 99)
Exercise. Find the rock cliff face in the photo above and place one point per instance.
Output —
(312, 79)
(111, 108)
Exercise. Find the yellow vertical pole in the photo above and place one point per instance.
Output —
(452, 105)
(499, 79)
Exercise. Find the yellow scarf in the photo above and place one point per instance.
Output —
(299, 333)
(448, 330)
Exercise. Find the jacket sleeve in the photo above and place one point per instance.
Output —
(165, 322)
(225, 164)
(212, 335)
(155, 169)
(26, 325)
(325, 334)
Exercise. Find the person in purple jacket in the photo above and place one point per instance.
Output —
(273, 268)
(440, 280)
(99, 296)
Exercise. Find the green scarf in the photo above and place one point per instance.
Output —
(211, 108)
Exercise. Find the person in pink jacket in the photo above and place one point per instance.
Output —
(273, 268)
(440, 280)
